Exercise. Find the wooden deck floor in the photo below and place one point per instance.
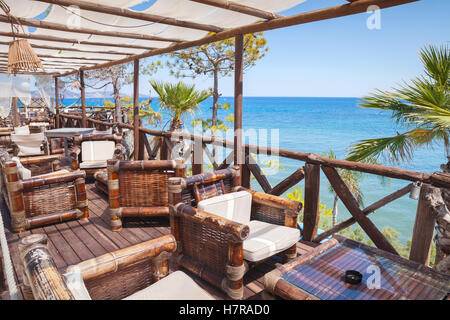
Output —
(75, 241)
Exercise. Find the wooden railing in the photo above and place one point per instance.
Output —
(423, 232)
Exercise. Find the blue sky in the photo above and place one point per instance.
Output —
(338, 57)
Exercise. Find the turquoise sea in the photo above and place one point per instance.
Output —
(318, 125)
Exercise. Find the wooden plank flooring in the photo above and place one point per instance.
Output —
(76, 240)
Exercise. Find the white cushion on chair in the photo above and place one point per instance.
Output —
(176, 286)
(22, 130)
(97, 150)
(266, 239)
(93, 164)
(29, 144)
(234, 206)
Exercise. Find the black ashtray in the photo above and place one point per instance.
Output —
(352, 277)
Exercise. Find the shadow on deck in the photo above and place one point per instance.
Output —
(74, 241)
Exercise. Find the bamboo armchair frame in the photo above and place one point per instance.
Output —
(211, 246)
(112, 276)
(140, 188)
(42, 200)
(75, 152)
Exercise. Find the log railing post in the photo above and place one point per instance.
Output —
(136, 119)
(238, 102)
(312, 198)
(423, 231)
(83, 100)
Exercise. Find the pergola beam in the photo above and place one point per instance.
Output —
(73, 41)
(63, 27)
(5, 54)
(38, 46)
(102, 8)
(237, 7)
(301, 18)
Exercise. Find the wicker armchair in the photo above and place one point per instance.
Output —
(218, 249)
(140, 188)
(43, 199)
(91, 151)
(139, 272)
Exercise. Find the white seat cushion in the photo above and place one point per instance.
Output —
(29, 144)
(234, 206)
(93, 164)
(97, 150)
(176, 286)
(266, 239)
(22, 130)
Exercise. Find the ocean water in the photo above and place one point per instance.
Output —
(319, 125)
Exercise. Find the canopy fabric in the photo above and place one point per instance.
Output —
(5, 95)
(73, 18)
(44, 86)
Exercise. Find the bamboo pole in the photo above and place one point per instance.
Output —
(238, 78)
(83, 100)
(57, 102)
(136, 119)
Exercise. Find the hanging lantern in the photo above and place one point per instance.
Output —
(21, 57)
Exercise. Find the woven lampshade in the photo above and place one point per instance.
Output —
(21, 57)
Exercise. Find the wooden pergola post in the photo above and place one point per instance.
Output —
(16, 119)
(83, 100)
(56, 103)
(238, 78)
(136, 120)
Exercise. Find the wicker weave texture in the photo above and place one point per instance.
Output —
(267, 214)
(50, 199)
(204, 244)
(144, 188)
(122, 283)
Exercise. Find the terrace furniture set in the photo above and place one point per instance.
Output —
(219, 230)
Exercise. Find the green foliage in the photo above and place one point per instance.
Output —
(422, 106)
(216, 57)
(178, 99)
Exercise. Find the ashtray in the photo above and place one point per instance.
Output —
(352, 277)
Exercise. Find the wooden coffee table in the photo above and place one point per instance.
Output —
(319, 275)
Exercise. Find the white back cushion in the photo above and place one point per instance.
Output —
(22, 130)
(97, 150)
(234, 206)
(29, 144)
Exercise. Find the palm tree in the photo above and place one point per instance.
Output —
(178, 100)
(421, 106)
(351, 179)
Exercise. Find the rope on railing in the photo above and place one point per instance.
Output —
(9, 271)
